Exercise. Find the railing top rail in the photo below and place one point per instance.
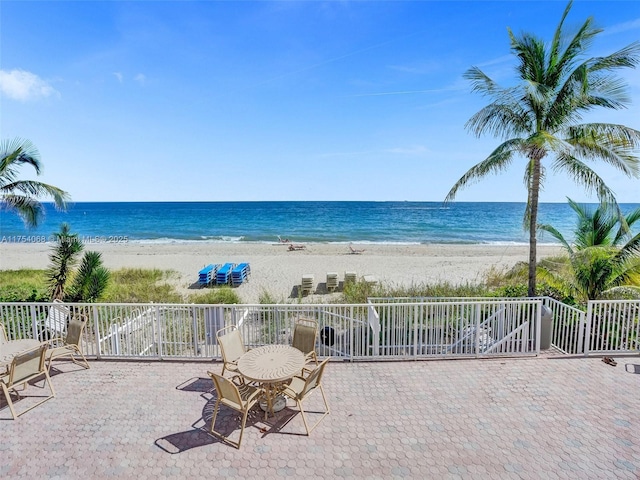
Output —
(451, 300)
(290, 306)
(598, 302)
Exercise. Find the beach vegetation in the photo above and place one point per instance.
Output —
(62, 259)
(222, 295)
(88, 283)
(138, 285)
(23, 196)
(540, 117)
(267, 298)
(604, 256)
(23, 285)
(360, 291)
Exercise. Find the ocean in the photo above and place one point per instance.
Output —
(302, 222)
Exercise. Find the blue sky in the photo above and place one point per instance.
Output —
(290, 100)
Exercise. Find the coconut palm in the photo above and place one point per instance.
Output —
(541, 117)
(22, 196)
(603, 255)
(598, 228)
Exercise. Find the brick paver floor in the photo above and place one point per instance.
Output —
(537, 418)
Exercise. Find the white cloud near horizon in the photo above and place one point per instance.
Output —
(24, 86)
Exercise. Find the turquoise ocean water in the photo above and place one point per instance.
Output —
(335, 222)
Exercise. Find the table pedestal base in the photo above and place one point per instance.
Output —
(279, 403)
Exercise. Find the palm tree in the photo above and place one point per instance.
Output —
(541, 117)
(88, 282)
(21, 196)
(604, 255)
(63, 258)
(91, 279)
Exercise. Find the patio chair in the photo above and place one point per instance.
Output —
(301, 387)
(3, 340)
(237, 397)
(231, 347)
(25, 367)
(305, 333)
(69, 346)
(57, 316)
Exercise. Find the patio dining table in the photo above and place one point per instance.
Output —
(10, 349)
(271, 366)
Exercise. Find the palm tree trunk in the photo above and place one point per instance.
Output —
(534, 193)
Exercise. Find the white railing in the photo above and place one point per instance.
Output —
(381, 329)
(567, 330)
(442, 327)
(612, 326)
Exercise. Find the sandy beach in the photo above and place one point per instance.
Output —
(278, 271)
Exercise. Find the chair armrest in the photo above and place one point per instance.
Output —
(54, 342)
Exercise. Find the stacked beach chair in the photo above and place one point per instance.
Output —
(223, 276)
(240, 273)
(332, 281)
(349, 277)
(307, 283)
(207, 275)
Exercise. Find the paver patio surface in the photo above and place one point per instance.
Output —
(536, 418)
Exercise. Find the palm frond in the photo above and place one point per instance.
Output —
(18, 151)
(555, 233)
(498, 161)
(27, 208)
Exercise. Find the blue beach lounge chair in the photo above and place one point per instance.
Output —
(240, 273)
(223, 276)
(207, 275)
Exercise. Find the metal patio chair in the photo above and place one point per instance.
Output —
(69, 346)
(301, 387)
(231, 347)
(240, 397)
(305, 333)
(24, 368)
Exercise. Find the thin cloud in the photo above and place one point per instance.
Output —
(413, 150)
(24, 86)
(140, 78)
(622, 27)
(408, 92)
(119, 76)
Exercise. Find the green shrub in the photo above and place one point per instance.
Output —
(222, 295)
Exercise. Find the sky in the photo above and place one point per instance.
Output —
(287, 100)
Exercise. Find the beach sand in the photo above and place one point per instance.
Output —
(278, 271)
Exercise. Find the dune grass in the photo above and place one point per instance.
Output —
(23, 286)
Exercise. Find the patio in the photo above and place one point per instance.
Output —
(542, 417)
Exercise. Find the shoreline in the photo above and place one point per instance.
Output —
(278, 271)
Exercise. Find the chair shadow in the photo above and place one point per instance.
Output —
(197, 286)
(27, 394)
(632, 368)
(227, 423)
(197, 384)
